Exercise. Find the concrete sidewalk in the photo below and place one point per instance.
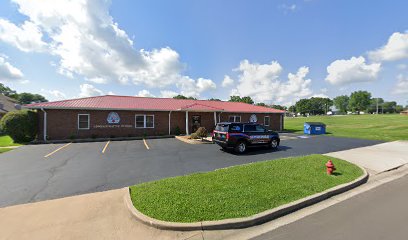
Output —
(100, 215)
(377, 158)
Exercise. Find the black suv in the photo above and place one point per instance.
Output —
(239, 136)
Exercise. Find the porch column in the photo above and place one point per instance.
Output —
(170, 123)
(215, 118)
(187, 132)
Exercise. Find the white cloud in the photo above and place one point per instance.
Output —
(90, 44)
(395, 49)
(53, 95)
(27, 37)
(288, 8)
(228, 81)
(262, 83)
(88, 90)
(355, 69)
(145, 93)
(320, 95)
(402, 85)
(193, 88)
(168, 94)
(8, 72)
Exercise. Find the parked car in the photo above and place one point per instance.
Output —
(240, 136)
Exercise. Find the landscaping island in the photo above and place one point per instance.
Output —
(239, 191)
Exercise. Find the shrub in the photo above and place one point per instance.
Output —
(72, 136)
(201, 132)
(20, 125)
(177, 131)
(194, 136)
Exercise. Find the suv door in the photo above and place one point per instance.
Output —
(257, 133)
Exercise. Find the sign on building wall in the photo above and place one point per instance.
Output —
(113, 118)
(253, 118)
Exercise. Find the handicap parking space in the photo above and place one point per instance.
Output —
(77, 168)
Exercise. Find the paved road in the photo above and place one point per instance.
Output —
(380, 213)
(27, 176)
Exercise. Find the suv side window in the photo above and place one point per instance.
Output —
(234, 128)
(259, 128)
(250, 128)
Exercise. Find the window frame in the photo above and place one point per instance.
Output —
(235, 118)
(144, 120)
(269, 121)
(89, 120)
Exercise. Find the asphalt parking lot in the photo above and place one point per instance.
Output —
(40, 172)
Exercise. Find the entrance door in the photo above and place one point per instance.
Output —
(196, 122)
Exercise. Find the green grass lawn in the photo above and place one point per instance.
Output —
(6, 141)
(238, 191)
(3, 150)
(387, 127)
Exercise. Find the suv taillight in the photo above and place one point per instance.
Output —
(213, 134)
(227, 136)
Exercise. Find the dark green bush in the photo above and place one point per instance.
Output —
(177, 131)
(21, 126)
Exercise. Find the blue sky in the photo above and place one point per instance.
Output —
(273, 51)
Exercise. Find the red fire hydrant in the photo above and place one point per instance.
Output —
(330, 167)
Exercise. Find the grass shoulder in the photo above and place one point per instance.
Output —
(239, 191)
(384, 127)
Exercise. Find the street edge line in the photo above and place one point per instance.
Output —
(237, 223)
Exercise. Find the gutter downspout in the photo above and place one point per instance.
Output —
(169, 123)
(45, 124)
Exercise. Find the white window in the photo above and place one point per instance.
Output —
(144, 121)
(83, 121)
(267, 121)
(234, 119)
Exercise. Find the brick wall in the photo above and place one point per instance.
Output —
(63, 124)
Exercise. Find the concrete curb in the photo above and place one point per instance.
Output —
(191, 141)
(235, 223)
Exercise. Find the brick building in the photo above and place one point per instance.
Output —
(125, 116)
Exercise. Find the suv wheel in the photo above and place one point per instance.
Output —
(241, 147)
(273, 144)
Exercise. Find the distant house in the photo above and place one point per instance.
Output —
(8, 104)
(404, 112)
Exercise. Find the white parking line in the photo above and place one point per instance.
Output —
(145, 143)
(106, 146)
(49, 154)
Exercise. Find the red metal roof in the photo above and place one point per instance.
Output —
(114, 102)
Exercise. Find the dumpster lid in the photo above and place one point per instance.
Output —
(315, 123)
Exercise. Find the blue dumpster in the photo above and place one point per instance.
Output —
(314, 128)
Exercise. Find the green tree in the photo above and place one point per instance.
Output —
(341, 103)
(303, 106)
(261, 104)
(280, 107)
(390, 107)
(246, 99)
(292, 109)
(26, 98)
(6, 90)
(399, 108)
(183, 97)
(359, 101)
(376, 103)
